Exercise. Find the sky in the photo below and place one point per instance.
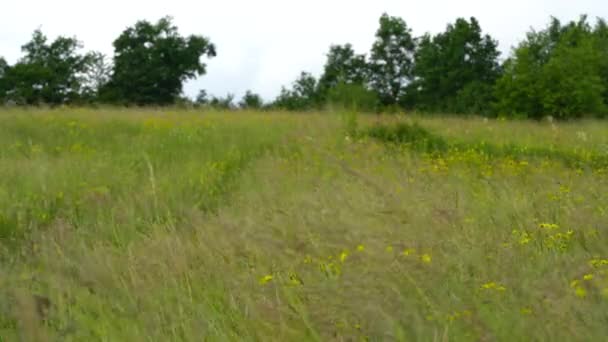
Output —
(265, 44)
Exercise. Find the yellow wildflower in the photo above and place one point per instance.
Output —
(580, 292)
(266, 279)
(389, 249)
(295, 280)
(360, 248)
(488, 286)
(588, 277)
(598, 262)
(343, 256)
(526, 311)
(409, 251)
(426, 258)
(548, 226)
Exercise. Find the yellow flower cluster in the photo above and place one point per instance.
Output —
(493, 286)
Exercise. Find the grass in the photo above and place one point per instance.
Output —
(173, 225)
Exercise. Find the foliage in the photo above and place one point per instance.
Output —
(251, 100)
(455, 70)
(98, 74)
(556, 71)
(600, 41)
(49, 73)
(353, 97)
(392, 59)
(151, 62)
(223, 103)
(202, 98)
(343, 66)
(302, 96)
(3, 84)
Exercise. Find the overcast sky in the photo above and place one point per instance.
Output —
(264, 44)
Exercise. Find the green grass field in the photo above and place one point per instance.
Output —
(172, 225)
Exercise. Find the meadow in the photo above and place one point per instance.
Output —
(177, 225)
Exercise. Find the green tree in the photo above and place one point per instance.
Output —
(3, 84)
(392, 59)
(601, 45)
(3, 67)
(48, 73)
(251, 101)
(223, 103)
(151, 62)
(557, 71)
(202, 99)
(97, 76)
(456, 70)
(343, 66)
(302, 96)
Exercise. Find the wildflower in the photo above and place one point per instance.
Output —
(426, 258)
(489, 286)
(265, 279)
(588, 277)
(409, 251)
(360, 248)
(526, 311)
(343, 256)
(574, 283)
(308, 259)
(295, 280)
(598, 262)
(389, 249)
(580, 292)
(548, 226)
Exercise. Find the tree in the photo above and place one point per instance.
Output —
(251, 101)
(392, 59)
(601, 45)
(202, 99)
(302, 96)
(151, 62)
(3, 84)
(343, 66)
(456, 70)
(557, 71)
(223, 103)
(3, 67)
(97, 76)
(48, 73)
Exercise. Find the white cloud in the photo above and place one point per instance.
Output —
(266, 43)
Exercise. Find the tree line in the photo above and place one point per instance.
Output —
(561, 70)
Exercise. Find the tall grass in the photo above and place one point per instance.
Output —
(152, 225)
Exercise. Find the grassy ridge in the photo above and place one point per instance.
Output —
(423, 141)
(177, 226)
